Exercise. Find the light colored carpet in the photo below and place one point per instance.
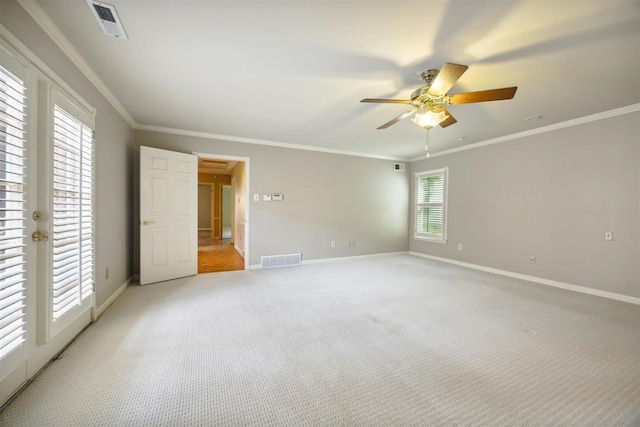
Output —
(389, 340)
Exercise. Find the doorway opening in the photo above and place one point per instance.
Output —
(222, 213)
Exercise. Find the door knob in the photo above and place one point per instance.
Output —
(39, 237)
(145, 222)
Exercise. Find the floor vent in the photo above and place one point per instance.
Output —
(280, 260)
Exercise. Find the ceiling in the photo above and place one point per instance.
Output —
(216, 166)
(293, 72)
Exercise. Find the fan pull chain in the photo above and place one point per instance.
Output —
(426, 146)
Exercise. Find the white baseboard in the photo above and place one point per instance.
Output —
(349, 258)
(555, 284)
(98, 311)
(336, 259)
(240, 251)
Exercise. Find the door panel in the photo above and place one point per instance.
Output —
(168, 214)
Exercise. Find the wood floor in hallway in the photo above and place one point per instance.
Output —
(217, 255)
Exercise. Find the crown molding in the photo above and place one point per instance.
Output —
(264, 142)
(24, 55)
(51, 29)
(569, 123)
(44, 21)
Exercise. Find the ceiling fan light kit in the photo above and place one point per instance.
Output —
(429, 118)
(428, 102)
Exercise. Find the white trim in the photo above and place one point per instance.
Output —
(540, 280)
(336, 259)
(240, 251)
(427, 239)
(268, 143)
(33, 59)
(44, 21)
(569, 123)
(97, 312)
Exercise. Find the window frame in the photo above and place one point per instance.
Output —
(430, 237)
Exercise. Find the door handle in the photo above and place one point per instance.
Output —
(145, 222)
(39, 237)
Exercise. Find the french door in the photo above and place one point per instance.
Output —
(46, 218)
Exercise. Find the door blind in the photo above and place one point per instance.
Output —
(72, 213)
(13, 208)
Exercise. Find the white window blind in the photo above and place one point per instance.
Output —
(12, 211)
(72, 213)
(431, 205)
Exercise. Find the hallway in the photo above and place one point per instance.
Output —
(217, 255)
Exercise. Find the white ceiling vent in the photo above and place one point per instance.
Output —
(108, 19)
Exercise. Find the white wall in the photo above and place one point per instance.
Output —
(551, 196)
(326, 197)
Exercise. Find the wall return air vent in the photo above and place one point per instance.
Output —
(280, 260)
(108, 19)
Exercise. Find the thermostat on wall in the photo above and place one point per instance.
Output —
(277, 197)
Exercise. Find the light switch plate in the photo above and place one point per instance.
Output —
(266, 197)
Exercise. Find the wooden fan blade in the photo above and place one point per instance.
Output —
(446, 78)
(483, 96)
(387, 101)
(397, 119)
(449, 120)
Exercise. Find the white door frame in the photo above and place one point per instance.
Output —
(247, 198)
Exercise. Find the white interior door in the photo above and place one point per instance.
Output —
(168, 215)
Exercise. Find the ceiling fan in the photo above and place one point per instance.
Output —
(428, 102)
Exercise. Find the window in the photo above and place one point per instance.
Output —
(13, 207)
(431, 205)
(72, 213)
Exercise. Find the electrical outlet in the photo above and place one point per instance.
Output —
(459, 246)
(333, 243)
(532, 260)
(608, 235)
(352, 243)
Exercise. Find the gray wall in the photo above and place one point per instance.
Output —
(114, 153)
(551, 196)
(326, 197)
